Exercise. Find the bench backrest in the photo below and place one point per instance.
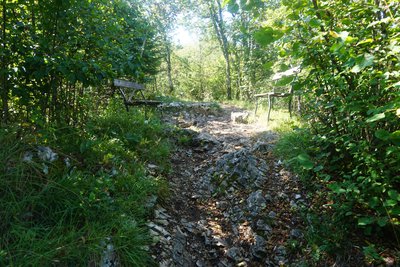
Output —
(128, 89)
(128, 84)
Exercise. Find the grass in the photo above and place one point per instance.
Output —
(63, 212)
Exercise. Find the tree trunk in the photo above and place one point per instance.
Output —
(219, 27)
(4, 91)
(169, 67)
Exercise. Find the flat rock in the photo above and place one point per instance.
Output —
(240, 117)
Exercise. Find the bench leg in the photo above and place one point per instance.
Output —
(255, 112)
(269, 107)
(290, 106)
(299, 104)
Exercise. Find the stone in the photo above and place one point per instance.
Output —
(45, 153)
(234, 254)
(165, 263)
(283, 196)
(240, 117)
(200, 263)
(296, 233)
(180, 256)
(28, 156)
(158, 229)
(256, 202)
(268, 198)
(258, 249)
(223, 263)
(272, 214)
(280, 255)
(205, 138)
(238, 168)
(161, 214)
(109, 257)
(219, 242)
(261, 225)
(262, 147)
(151, 201)
(223, 205)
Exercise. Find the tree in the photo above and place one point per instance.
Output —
(3, 73)
(217, 19)
(163, 15)
(56, 54)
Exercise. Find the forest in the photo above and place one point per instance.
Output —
(81, 177)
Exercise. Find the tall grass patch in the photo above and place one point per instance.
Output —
(89, 191)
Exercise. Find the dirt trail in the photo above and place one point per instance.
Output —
(232, 203)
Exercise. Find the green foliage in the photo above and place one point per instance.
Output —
(198, 74)
(352, 106)
(96, 192)
(56, 54)
(350, 69)
(293, 146)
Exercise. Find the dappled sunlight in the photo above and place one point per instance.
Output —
(302, 118)
(228, 200)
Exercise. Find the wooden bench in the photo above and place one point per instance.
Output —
(277, 93)
(270, 96)
(133, 95)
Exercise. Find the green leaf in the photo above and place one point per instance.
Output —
(335, 187)
(92, 196)
(393, 194)
(336, 47)
(397, 85)
(382, 221)
(395, 137)
(395, 211)
(284, 80)
(366, 41)
(318, 168)
(293, 16)
(390, 203)
(266, 36)
(365, 221)
(233, 8)
(305, 161)
(315, 23)
(376, 117)
(334, 34)
(373, 202)
(362, 62)
(268, 65)
(382, 134)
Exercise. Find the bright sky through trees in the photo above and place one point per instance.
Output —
(185, 37)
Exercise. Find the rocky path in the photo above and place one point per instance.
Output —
(232, 203)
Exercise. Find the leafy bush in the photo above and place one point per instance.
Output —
(350, 61)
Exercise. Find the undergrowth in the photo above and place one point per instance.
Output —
(68, 193)
(335, 217)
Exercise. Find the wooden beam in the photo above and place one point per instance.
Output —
(128, 84)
